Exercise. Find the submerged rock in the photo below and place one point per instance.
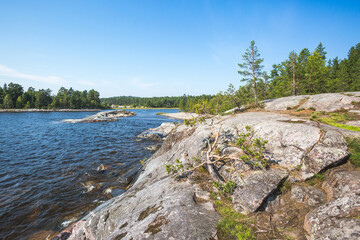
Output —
(107, 116)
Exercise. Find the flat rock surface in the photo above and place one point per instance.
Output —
(330, 102)
(284, 103)
(327, 102)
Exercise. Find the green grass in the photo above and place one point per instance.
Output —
(160, 113)
(354, 148)
(232, 225)
(317, 178)
(332, 122)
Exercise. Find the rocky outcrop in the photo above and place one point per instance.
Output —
(327, 102)
(159, 133)
(107, 116)
(157, 206)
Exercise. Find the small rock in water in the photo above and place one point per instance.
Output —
(89, 187)
(153, 147)
(108, 191)
(66, 223)
(102, 167)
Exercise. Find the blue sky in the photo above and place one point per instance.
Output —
(161, 48)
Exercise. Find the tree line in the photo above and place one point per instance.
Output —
(12, 95)
(304, 73)
(154, 102)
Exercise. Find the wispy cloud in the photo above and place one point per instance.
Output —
(12, 73)
(137, 82)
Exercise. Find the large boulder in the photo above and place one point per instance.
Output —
(255, 187)
(338, 219)
(341, 182)
(292, 143)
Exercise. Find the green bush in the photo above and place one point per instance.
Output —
(253, 148)
(232, 225)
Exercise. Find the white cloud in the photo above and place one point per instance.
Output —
(12, 73)
(137, 82)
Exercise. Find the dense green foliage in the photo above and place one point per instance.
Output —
(155, 102)
(14, 96)
(312, 73)
(232, 225)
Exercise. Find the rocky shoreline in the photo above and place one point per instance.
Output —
(308, 191)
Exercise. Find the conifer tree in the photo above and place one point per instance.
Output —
(251, 67)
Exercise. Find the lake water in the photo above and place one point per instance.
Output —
(48, 167)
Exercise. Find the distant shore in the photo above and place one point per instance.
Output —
(48, 110)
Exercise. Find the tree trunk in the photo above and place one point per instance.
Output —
(293, 80)
(253, 73)
(309, 83)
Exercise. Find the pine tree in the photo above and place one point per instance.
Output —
(251, 67)
(321, 50)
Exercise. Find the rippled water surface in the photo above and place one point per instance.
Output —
(47, 167)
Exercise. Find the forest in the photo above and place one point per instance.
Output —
(12, 95)
(304, 73)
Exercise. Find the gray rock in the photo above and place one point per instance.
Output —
(160, 132)
(327, 102)
(290, 144)
(330, 102)
(284, 103)
(255, 187)
(107, 116)
(308, 195)
(341, 182)
(353, 123)
(338, 219)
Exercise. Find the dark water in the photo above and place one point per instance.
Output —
(45, 163)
